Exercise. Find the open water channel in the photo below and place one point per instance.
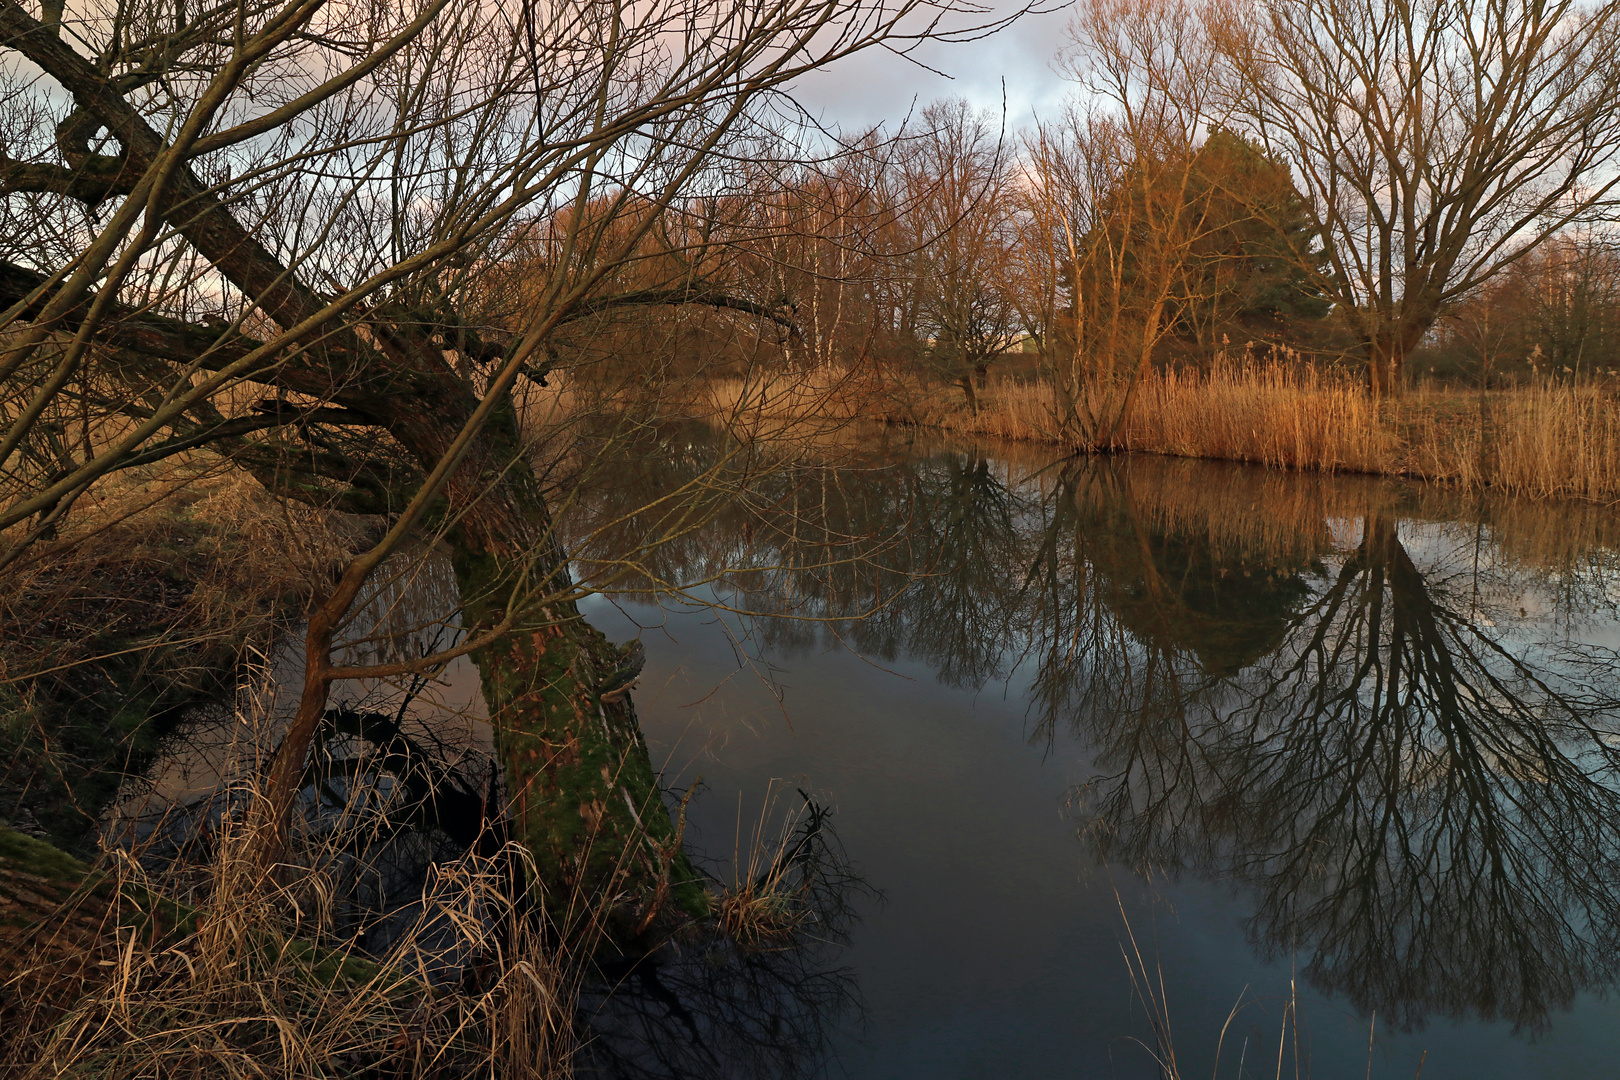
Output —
(1282, 775)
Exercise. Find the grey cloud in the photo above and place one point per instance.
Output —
(877, 87)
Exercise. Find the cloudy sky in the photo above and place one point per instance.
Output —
(878, 87)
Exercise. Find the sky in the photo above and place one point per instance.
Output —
(877, 86)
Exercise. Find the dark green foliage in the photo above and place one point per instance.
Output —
(1257, 239)
(1228, 238)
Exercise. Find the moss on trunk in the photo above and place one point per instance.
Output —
(582, 790)
(585, 799)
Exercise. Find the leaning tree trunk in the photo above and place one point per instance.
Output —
(582, 793)
(585, 797)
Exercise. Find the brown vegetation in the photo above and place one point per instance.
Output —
(167, 579)
(100, 976)
(1541, 438)
(1211, 191)
(173, 327)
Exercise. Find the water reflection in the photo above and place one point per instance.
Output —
(1380, 713)
(398, 828)
(720, 1002)
(1420, 805)
(1375, 711)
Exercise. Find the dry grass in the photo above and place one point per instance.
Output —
(1544, 439)
(187, 551)
(1268, 414)
(164, 577)
(236, 992)
(763, 906)
(772, 405)
(790, 885)
(158, 583)
(1541, 439)
(111, 973)
(242, 977)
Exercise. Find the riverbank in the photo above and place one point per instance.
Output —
(1542, 439)
(163, 583)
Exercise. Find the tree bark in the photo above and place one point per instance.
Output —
(966, 383)
(582, 792)
(1386, 351)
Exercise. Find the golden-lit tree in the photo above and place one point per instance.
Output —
(1436, 142)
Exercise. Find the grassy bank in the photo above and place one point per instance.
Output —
(159, 594)
(104, 976)
(141, 608)
(1541, 439)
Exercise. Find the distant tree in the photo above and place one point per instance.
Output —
(1115, 218)
(1436, 142)
(816, 243)
(1245, 273)
(1230, 258)
(957, 215)
(1569, 291)
(1557, 311)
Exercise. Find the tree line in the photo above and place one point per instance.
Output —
(1398, 187)
(349, 249)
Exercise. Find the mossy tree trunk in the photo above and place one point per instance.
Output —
(582, 793)
(585, 795)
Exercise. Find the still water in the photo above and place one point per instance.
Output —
(1277, 774)
(1145, 767)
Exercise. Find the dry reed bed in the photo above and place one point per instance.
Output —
(233, 988)
(1544, 439)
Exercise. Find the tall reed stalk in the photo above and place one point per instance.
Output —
(1543, 438)
(234, 987)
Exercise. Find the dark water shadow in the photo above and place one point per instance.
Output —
(1385, 716)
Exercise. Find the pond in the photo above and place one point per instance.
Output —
(1146, 767)
(1312, 775)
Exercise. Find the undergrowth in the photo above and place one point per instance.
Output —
(140, 609)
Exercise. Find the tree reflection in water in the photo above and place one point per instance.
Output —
(1366, 705)
(712, 1006)
(1420, 798)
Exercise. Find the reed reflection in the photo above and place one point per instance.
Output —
(1413, 779)
(1368, 706)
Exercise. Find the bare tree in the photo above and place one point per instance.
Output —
(1113, 225)
(958, 217)
(815, 242)
(262, 228)
(1437, 141)
(1563, 303)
